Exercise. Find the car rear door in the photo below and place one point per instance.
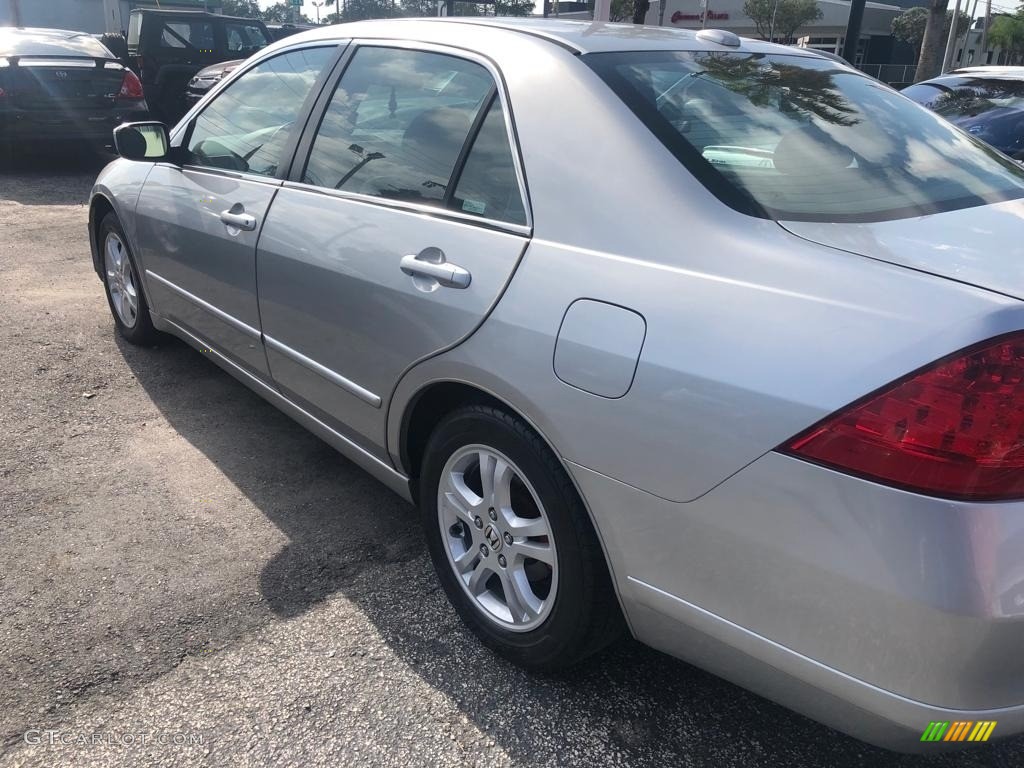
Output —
(197, 224)
(396, 236)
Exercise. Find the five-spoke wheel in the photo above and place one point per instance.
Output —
(123, 287)
(513, 544)
(497, 537)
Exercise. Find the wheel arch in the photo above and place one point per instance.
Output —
(99, 206)
(425, 409)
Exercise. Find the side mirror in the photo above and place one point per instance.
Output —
(142, 141)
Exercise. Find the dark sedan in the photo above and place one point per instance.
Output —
(59, 85)
(987, 102)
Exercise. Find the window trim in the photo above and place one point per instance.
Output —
(499, 89)
(182, 133)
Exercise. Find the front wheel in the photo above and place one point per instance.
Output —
(512, 543)
(122, 285)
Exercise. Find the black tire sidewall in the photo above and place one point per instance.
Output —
(566, 624)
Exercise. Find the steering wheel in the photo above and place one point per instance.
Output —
(224, 158)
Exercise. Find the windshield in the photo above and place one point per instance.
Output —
(800, 138)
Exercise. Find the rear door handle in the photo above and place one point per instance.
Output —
(236, 217)
(431, 263)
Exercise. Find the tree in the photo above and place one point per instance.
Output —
(640, 8)
(513, 7)
(1007, 32)
(357, 10)
(620, 10)
(780, 19)
(932, 42)
(248, 9)
(910, 25)
(282, 13)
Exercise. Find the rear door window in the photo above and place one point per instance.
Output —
(488, 185)
(244, 39)
(397, 123)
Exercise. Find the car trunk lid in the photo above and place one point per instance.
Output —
(62, 84)
(981, 246)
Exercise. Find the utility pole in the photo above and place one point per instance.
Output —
(947, 59)
(602, 10)
(853, 31)
(16, 13)
(984, 31)
(967, 34)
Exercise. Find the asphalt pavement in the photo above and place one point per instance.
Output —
(190, 578)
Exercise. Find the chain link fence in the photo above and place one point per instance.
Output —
(896, 75)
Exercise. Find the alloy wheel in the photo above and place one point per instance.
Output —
(124, 295)
(497, 538)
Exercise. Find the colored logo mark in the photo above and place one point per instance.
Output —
(959, 730)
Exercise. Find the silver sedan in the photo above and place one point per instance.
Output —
(711, 341)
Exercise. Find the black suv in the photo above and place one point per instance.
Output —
(168, 47)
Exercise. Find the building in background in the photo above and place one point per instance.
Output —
(88, 15)
(826, 33)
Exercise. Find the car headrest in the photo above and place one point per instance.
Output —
(809, 150)
(436, 135)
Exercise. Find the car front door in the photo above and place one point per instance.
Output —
(198, 223)
(396, 236)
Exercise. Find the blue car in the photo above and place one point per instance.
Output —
(987, 102)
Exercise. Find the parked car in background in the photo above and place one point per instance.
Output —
(281, 31)
(168, 48)
(730, 413)
(987, 102)
(61, 85)
(206, 78)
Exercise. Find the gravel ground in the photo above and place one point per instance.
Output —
(191, 578)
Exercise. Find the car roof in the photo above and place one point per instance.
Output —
(580, 36)
(993, 73)
(203, 14)
(39, 41)
(990, 68)
(958, 77)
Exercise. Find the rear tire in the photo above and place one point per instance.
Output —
(122, 285)
(544, 612)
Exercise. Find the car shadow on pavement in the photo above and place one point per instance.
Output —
(348, 534)
(61, 175)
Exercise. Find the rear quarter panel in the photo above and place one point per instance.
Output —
(752, 334)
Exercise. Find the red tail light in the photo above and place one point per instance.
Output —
(953, 429)
(131, 86)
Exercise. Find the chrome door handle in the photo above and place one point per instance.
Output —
(431, 263)
(237, 218)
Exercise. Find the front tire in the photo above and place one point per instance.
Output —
(122, 285)
(512, 542)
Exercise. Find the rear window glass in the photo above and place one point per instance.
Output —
(32, 42)
(134, 29)
(800, 138)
